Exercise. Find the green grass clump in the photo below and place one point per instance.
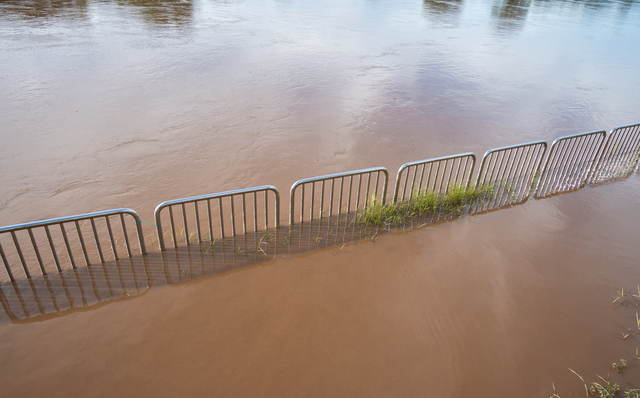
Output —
(423, 202)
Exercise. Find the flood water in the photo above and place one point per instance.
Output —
(122, 103)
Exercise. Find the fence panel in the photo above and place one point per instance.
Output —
(340, 193)
(620, 155)
(53, 245)
(507, 175)
(434, 175)
(217, 215)
(569, 163)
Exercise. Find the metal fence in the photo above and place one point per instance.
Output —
(434, 175)
(507, 175)
(620, 155)
(338, 193)
(218, 212)
(51, 245)
(569, 163)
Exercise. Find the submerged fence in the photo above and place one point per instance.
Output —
(507, 176)
(569, 163)
(436, 175)
(60, 243)
(214, 210)
(343, 192)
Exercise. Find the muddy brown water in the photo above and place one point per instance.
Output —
(107, 104)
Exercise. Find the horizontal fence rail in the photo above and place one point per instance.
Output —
(338, 193)
(62, 241)
(224, 212)
(507, 175)
(569, 163)
(620, 155)
(434, 175)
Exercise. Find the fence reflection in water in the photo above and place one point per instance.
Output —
(60, 293)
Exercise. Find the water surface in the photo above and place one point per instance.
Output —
(107, 104)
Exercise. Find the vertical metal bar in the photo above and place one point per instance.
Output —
(266, 210)
(359, 189)
(233, 216)
(405, 173)
(349, 196)
(255, 210)
(184, 223)
(333, 183)
(413, 182)
(436, 176)
(6, 264)
(209, 220)
(221, 217)
(384, 187)
(84, 249)
(366, 195)
(377, 181)
(313, 197)
(428, 184)
(302, 203)
(95, 236)
(424, 166)
(444, 173)
(321, 199)
(66, 243)
(113, 243)
(173, 228)
(17, 246)
(276, 205)
(340, 195)
(126, 236)
(52, 247)
(35, 249)
(199, 233)
(244, 214)
(464, 172)
(457, 178)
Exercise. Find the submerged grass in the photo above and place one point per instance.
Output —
(423, 203)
